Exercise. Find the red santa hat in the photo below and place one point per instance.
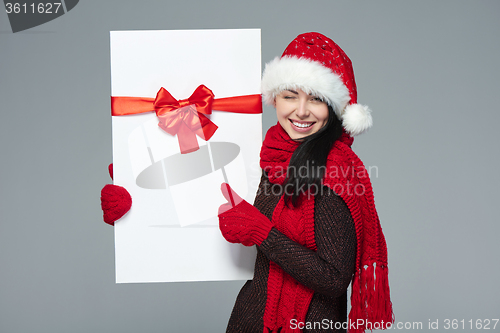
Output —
(317, 65)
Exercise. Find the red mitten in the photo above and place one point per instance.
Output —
(115, 201)
(240, 222)
(110, 170)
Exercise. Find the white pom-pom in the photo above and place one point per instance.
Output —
(356, 119)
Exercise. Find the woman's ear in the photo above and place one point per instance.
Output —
(274, 102)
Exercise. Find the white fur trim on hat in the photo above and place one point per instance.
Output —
(309, 76)
(356, 119)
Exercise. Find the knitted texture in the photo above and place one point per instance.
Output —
(286, 298)
(115, 202)
(319, 48)
(327, 271)
(347, 176)
(241, 222)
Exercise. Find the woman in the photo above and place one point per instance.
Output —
(314, 221)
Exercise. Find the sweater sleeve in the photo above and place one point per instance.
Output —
(329, 269)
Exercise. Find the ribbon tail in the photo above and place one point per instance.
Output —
(207, 128)
(187, 140)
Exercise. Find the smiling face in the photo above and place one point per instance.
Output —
(300, 114)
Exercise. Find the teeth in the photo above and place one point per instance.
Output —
(302, 125)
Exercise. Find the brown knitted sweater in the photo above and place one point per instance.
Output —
(328, 271)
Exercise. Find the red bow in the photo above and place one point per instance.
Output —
(186, 117)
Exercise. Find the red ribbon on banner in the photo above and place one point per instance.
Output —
(186, 117)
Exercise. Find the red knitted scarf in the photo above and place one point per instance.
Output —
(346, 175)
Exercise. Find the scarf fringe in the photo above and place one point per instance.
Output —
(356, 310)
(371, 307)
(383, 301)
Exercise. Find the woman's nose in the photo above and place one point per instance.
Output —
(302, 109)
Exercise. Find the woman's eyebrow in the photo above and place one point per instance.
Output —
(292, 91)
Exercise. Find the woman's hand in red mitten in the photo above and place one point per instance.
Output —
(240, 222)
(115, 201)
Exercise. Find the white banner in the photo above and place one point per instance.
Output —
(171, 232)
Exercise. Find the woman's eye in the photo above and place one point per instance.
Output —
(317, 99)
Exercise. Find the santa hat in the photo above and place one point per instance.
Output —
(315, 64)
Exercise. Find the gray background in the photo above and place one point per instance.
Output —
(428, 69)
